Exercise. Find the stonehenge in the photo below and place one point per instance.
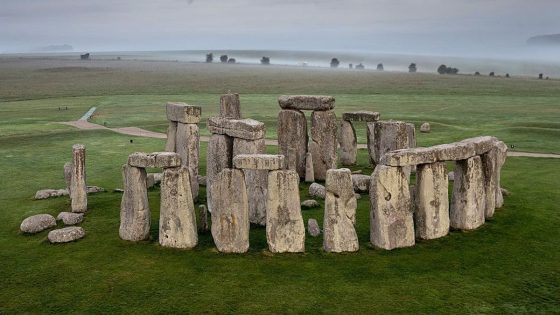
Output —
(347, 138)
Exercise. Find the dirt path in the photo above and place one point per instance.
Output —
(139, 132)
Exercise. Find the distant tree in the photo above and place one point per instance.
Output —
(231, 60)
(334, 63)
(224, 58)
(350, 66)
(265, 60)
(209, 58)
(492, 74)
(412, 68)
(547, 78)
(477, 73)
(379, 67)
(360, 66)
(442, 69)
(507, 75)
(452, 70)
(540, 76)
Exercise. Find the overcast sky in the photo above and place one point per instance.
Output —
(434, 26)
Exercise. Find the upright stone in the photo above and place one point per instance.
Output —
(292, 139)
(391, 220)
(187, 146)
(177, 220)
(467, 203)
(431, 199)
(490, 174)
(411, 135)
(230, 212)
(348, 143)
(218, 157)
(68, 176)
(500, 161)
(135, 209)
(339, 234)
(370, 143)
(256, 181)
(389, 136)
(203, 215)
(230, 106)
(78, 183)
(309, 173)
(285, 230)
(323, 144)
(170, 145)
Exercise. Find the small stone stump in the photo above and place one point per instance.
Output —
(467, 210)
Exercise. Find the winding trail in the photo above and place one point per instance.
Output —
(139, 132)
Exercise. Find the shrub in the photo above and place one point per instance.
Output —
(412, 68)
(224, 58)
(334, 63)
(265, 60)
(379, 67)
(209, 58)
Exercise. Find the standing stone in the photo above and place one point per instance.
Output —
(500, 161)
(309, 173)
(230, 106)
(467, 204)
(389, 136)
(68, 175)
(203, 215)
(339, 234)
(489, 168)
(78, 182)
(285, 231)
(292, 139)
(230, 212)
(135, 209)
(218, 157)
(411, 135)
(177, 220)
(256, 181)
(431, 199)
(391, 221)
(187, 146)
(370, 144)
(348, 143)
(170, 145)
(313, 228)
(361, 183)
(323, 145)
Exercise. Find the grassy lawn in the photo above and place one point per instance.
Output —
(510, 265)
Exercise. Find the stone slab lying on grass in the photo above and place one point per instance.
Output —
(317, 190)
(37, 223)
(313, 228)
(181, 112)
(50, 193)
(361, 115)
(70, 218)
(67, 234)
(248, 129)
(259, 161)
(155, 159)
(306, 102)
(361, 183)
(309, 204)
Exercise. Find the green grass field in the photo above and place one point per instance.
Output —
(510, 265)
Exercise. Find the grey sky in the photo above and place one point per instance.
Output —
(440, 26)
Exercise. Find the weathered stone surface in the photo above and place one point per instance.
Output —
(201, 180)
(348, 143)
(467, 203)
(154, 159)
(357, 172)
(188, 145)
(177, 220)
(292, 139)
(248, 129)
(389, 136)
(183, 113)
(67, 234)
(313, 228)
(309, 173)
(453, 151)
(425, 127)
(370, 143)
(481, 144)
(431, 201)
(323, 144)
(391, 220)
(167, 159)
(37, 223)
(256, 181)
(50, 193)
(411, 135)
(259, 161)
(451, 176)
(306, 102)
(361, 115)
(361, 183)
(408, 157)
(489, 162)
(339, 234)
(230, 106)
(309, 204)
(170, 144)
(153, 179)
(70, 218)
(78, 181)
(500, 161)
(230, 212)
(317, 190)
(285, 231)
(68, 175)
(94, 189)
(203, 215)
(135, 209)
(218, 157)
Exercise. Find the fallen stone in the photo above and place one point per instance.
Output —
(389, 136)
(37, 223)
(391, 220)
(339, 234)
(203, 226)
(409, 157)
(151, 179)
(183, 113)
(50, 193)
(201, 180)
(285, 230)
(309, 173)
(219, 156)
(78, 179)
(306, 102)
(467, 209)
(188, 143)
(135, 209)
(451, 176)
(361, 183)
(94, 189)
(425, 127)
(357, 172)
(348, 143)
(67, 234)
(292, 139)
(248, 129)
(155, 159)
(170, 144)
(361, 115)
(310, 204)
(230, 212)
(70, 218)
(505, 192)
(313, 228)
(358, 196)
(118, 190)
(230, 106)
(323, 145)
(431, 201)
(317, 190)
(259, 161)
